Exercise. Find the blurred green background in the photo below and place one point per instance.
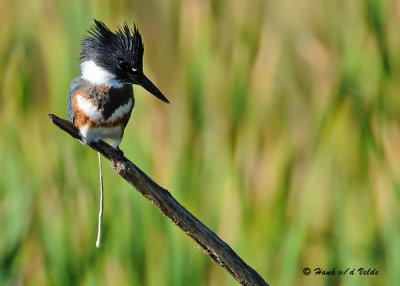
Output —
(282, 136)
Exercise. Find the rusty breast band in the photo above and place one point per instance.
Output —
(102, 106)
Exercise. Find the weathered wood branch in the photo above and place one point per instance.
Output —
(219, 251)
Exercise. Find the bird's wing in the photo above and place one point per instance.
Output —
(75, 85)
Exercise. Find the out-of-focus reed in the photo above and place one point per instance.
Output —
(282, 135)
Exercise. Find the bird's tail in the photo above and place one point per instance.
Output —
(101, 203)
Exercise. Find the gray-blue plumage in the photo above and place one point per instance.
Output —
(75, 84)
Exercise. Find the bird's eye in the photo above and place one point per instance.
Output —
(123, 65)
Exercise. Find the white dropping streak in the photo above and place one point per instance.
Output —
(98, 75)
(98, 244)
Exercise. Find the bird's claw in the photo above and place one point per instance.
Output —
(120, 153)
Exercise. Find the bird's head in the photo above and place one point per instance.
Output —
(115, 58)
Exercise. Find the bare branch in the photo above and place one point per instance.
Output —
(219, 251)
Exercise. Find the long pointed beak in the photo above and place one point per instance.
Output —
(150, 87)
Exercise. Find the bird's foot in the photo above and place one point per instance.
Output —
(120, 152)
(84, 141)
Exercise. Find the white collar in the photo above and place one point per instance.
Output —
(98, 75)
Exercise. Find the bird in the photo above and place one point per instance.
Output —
(101, 100)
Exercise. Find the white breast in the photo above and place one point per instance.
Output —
(95, 134)
(94, 114)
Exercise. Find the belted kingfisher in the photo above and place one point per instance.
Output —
(101, 99)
